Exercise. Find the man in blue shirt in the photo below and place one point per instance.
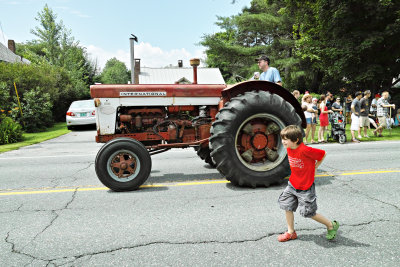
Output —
(270, 74)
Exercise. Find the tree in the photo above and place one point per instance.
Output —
(49, 33)
(67, 64)
(115, 72)
(317, 45)
(352, 43)
(263, 28)
(57, 46)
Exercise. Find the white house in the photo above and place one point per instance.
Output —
(7, 54)
(173, 75)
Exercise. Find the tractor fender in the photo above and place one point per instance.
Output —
(273, 88)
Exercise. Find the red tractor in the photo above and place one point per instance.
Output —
(234, 128)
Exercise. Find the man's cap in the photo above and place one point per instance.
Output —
(262, 57)
(377, 95)
(358, 93)
(314, 99)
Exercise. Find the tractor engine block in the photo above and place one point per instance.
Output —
(172, 124)
(138, 120)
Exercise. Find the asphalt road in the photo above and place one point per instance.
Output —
(55, 212)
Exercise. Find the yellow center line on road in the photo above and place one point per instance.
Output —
(371, 172)
(52, 191)
(106, 188)
(11, 192)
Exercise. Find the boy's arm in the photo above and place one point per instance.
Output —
(353, 108)
(319, 162)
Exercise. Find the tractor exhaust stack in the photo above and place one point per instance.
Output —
(194, 62)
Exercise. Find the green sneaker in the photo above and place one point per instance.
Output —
(332, 233)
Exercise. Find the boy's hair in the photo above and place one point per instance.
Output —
(293, 133)
(367, 92)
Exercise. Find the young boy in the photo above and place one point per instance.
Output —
(300, 191)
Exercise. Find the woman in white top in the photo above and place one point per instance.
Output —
(309, 113)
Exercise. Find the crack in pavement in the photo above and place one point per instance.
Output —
(56, 180)
(346, 183)
(76, 178)
(11, 211)
(13, 250)
(167, 243)
(55, 217)
(209, 241)
(368, 223)
(72, 259)
(56, 214)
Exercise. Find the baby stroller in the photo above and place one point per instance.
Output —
(338, 127)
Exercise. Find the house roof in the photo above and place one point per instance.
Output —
(172, 75)
(8, 56)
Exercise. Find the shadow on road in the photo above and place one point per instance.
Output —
(339, 241)
(244, 189)
(141, 190)
(181, 177)
(321, 181)
(325, 180)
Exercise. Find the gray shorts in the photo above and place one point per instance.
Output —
(306, 200)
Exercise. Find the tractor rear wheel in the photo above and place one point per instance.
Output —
(123, 164)
(245, 139)
(204, 154)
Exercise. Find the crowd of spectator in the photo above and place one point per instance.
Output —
(359, 112)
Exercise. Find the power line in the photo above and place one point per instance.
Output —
(2, 33)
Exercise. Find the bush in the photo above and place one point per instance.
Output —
(10, 131)
(4, 97)
(36, 108)
(56, 81)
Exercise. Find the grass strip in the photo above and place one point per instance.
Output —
(56, 130)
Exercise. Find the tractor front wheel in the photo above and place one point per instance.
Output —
(123, 164)
(245, 139)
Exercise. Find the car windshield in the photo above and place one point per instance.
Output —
(83, 104)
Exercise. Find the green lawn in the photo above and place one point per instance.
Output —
(394, 134)
(58, 129)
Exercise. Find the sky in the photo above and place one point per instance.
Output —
(167, 30)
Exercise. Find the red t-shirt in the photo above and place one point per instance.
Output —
(302, 164)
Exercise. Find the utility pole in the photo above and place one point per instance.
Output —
(132, 40)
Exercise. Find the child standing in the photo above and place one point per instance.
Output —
(300, 191)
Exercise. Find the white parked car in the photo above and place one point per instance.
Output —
(81, 112)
